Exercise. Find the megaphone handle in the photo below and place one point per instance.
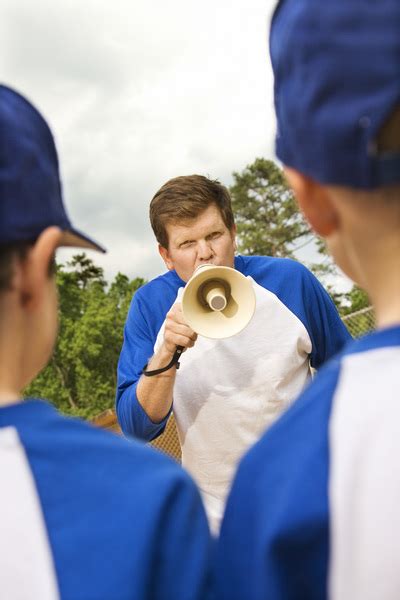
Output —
(174, 361)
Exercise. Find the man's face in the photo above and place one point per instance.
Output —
(204, 240)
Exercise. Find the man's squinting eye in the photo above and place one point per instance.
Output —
(186, 244)
(214, 235)
(189, 243)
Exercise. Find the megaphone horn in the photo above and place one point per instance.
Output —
(218, 302)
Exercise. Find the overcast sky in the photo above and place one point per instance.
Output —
(137, 92)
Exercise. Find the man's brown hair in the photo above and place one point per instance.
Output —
(184, 198)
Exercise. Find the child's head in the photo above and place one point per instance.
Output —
(337, 99)
(33, 223)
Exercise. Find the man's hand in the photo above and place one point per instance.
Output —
(177, 332)
(155, 393)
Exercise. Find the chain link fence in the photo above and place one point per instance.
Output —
(360, 322)
(167, 442)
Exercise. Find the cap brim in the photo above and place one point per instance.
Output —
(74, 238)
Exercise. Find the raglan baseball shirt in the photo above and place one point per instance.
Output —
(314, 509)
(227, 392)
(87, 515)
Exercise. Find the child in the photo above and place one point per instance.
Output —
(83, 514)
(315, 507)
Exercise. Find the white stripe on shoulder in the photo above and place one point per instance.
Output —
(364, 485)
(26, 562)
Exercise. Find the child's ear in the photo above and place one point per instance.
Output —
(37, 264)
(314, 201)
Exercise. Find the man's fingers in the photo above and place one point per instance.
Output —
(180, 340)
(179, 328)
(175, 314)
(177, 332)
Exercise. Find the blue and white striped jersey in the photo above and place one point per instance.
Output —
(87, 515)
(314, 509)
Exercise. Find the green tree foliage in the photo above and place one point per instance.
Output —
(357, 312)
(355, 300)
(269, 222)
(267, 218)
(81, 376)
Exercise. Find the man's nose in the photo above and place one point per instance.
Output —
(204, 250)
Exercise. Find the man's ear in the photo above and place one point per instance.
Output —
(233, 236)
(37, 264)
(166, 257)
(315, 202)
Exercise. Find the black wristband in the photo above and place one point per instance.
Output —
(174, 361)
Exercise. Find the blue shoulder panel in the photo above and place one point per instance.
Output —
(120, 516)
(275, 535)
(274, 539)
(305, 297)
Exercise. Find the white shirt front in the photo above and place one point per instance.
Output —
(227, 392)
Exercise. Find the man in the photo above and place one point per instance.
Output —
(83, 514)
(314, 511)
(226, 392)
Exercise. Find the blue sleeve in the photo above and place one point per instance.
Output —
(319, 314)
(274, 540)
(137, 349)
(304, 296)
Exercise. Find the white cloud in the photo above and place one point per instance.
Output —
(137, 92)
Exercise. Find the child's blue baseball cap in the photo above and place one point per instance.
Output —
(30, 187)
(337, 80)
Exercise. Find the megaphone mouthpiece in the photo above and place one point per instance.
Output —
(218, 302)
(214, 295)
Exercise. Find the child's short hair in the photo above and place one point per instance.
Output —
(388, 138)
(9, 253)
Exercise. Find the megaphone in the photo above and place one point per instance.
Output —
(218, 302)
